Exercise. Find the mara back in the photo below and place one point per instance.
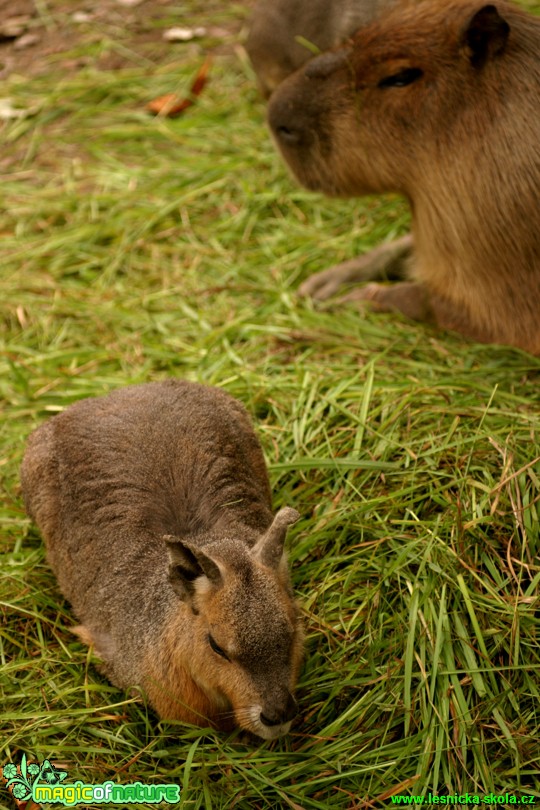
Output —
(155, 506)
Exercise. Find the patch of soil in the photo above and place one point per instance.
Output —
(37, 37)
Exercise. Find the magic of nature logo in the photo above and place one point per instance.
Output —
(44, 783)
(21, 780)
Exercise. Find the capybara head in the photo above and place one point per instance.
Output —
(414, 85)
(246, 630)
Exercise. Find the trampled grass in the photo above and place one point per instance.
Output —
(136, 248)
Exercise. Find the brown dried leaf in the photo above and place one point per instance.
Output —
(171, 105)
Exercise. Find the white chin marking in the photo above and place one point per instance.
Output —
(266, 732)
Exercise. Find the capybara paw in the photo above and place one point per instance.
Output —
(321, 285)
(369, 292)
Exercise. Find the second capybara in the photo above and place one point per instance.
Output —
(155, 507)
(277, 28)
(440, 101)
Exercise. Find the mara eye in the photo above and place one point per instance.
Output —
(402, 79)
(217, 649)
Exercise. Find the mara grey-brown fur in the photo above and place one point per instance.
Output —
(155, 506)
(275, 25)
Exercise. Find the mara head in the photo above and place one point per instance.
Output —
(245, 632)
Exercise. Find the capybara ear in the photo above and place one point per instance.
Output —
(486, 35)
(269, 549)
(323, 66)
(186, 564)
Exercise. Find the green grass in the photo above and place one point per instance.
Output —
(135, 249)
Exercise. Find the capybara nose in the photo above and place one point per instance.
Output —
(281, 120)
(293, 123)
(288, 135)
(284, 122)
(280, 715)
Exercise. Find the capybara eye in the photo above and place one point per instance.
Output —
(217, 649)
(402, 79)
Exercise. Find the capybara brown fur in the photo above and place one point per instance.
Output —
(276, 26)
(154, 503)
(440, 101)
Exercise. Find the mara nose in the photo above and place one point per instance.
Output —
(280, 714)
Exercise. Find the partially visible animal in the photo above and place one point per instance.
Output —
(282, 31)
(283, 36)
(155, 506)
(440, 101)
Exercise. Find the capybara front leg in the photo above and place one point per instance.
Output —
(386, 262)
(409, 298)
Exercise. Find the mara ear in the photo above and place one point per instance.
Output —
(186, 564)
(269, 549)
(486, 35)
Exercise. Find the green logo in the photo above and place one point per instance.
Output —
(45, 784)
(21, 781)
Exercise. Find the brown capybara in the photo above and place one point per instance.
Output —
(154, 504)
(277, 28)
(439, 101)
